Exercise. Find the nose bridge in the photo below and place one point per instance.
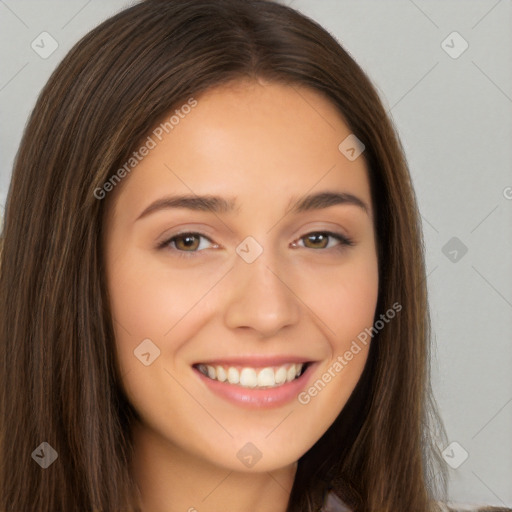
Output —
(260, 297)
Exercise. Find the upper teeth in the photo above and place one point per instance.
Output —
(252, 377)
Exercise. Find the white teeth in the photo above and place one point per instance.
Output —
(248, 378)
(266, 377)
(252, 377)
(221, 374)
(280, 375)
(290, 374)
(233, 376)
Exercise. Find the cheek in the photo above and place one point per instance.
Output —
(343, 298)
(148, 300)
(351, 308)
(344, 302)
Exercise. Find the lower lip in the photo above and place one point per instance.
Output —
(259, 398)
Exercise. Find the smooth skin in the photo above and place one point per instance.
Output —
(266, 145)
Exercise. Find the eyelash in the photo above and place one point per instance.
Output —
(344, 242)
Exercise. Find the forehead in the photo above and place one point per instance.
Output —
(262, 142)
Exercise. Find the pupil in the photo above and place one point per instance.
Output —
(317, 238)
(188, 241)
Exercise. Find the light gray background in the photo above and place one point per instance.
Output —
(454, 119)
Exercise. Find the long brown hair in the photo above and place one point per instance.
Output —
(59, 379)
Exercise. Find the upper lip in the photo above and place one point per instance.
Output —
(256, 361)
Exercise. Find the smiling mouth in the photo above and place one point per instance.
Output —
(254, 378)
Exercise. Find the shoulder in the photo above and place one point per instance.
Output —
(334, 504)
(450, 507)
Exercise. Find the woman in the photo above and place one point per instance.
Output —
(213, 291)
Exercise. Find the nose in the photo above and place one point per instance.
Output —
(261, 298)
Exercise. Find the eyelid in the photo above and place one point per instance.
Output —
(167, 241)
(343, 241)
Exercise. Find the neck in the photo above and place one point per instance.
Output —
(171, 479)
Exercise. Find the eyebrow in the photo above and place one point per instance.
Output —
(217, 204)
(325, 200)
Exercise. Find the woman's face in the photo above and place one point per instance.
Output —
(248, 282)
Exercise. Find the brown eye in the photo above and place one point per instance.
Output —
(186, 242)
(317, 240)
(183, 243)
(325, 240)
